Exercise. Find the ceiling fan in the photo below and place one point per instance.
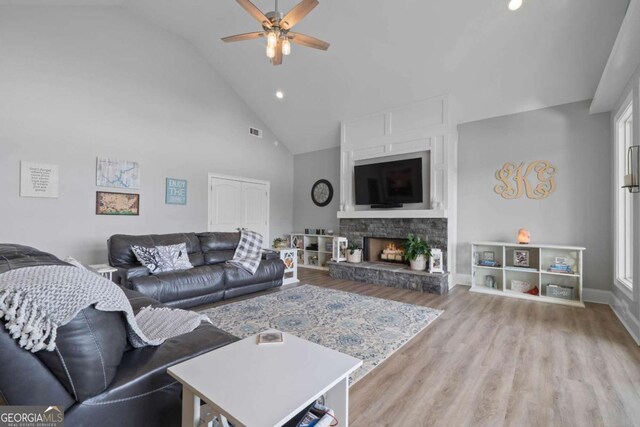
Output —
(276, 27)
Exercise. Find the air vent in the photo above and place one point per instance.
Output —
(255, 132)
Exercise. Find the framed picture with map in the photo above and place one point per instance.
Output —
(108, 203)
(117, 173)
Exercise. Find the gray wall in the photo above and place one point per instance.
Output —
(577, 213)
(78, 83)
(307, 169)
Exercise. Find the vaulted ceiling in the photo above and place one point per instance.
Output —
(389, 53)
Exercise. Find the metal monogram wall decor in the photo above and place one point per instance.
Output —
(537, 180)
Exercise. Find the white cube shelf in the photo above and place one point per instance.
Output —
(313, 258)
(536, 273)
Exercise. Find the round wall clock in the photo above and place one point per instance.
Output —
(322, 192)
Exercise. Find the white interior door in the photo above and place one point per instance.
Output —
(225, 205)
(236, 203)
(255, 207)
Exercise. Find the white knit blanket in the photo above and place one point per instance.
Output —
(36, 301)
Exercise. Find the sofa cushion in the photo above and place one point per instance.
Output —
(145, 369)
(120, 253)
(88, 351)
(25, 380)
(268, 270)
(218, 247)
(177, 285)
(17, 256)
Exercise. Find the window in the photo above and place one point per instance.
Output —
(624, 201)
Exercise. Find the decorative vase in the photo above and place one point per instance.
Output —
(419, 264)
(490, 281)
(354, 257)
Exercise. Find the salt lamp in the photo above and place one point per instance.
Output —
(524, 236)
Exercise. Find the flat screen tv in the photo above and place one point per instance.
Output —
(389, 183)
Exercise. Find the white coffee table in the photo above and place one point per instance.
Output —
(265, 385)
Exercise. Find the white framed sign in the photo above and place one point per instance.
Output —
(435, 261)
(38, 180)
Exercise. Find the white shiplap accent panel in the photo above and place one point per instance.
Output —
(438, 152)
(410, 146)
(360, 133)
(369, 153)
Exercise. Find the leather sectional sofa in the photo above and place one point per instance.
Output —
(94, 375)
(209, 281)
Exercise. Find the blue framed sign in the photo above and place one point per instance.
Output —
(176, 192)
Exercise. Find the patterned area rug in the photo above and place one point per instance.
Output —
(368, 328)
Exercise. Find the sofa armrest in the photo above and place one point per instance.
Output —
(128, 272)
(268, 254)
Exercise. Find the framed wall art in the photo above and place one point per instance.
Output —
(176, 192)
(520, 258)
(125, 204)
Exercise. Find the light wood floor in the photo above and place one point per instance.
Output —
(495, 361)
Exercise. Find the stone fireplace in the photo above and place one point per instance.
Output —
(382, 240)
(434, 230)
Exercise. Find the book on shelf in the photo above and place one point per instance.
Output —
(488, 263)
(519, 267)
(560, 268)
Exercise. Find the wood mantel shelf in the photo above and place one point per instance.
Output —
(394, 213)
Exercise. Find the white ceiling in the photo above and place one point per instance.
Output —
(389, 53)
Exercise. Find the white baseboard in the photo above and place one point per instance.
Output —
(461, 279)
(597, 296)
(628, 320)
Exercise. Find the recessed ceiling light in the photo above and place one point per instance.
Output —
(279, 94)
(515, 4)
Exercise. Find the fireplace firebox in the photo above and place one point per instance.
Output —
(381, 249)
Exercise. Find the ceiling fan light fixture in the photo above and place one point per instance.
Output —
(286, 47)
(514, 4)
(272, 39)
(279, 94)
(271, 51)
(276, 28)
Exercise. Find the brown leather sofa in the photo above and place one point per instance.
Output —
(209, 281)
(94, 375)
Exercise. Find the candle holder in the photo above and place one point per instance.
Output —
(631, 179)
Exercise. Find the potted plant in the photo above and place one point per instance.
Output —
(354, 253)
(280, 242)
(417, 251)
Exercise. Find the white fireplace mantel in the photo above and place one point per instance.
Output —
(395, 213)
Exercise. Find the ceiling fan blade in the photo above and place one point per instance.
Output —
(297, 13)
(243, 37)
(308, 41)
(277, 60)
(255, 12)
